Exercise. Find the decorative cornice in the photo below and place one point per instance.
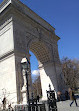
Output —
(8, 21)
(6, 55)
(26, 11)
(4, 4)
(11, 53)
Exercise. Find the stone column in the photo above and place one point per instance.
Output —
(47, 76)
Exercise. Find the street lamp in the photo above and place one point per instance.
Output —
(26, 65)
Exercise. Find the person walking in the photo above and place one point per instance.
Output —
(4, 103)
(72, 97)
(66, 95)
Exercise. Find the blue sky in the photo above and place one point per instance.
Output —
(63, 15)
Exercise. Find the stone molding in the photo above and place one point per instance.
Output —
(27, 11)
(6, 55)
(4, 5)
(7, 23)
(49, 63)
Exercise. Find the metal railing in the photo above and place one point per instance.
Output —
(32, 107)
(51, 100)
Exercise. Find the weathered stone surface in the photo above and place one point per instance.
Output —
(8, 79)
(22, 30)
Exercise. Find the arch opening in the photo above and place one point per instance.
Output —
(35, 76)
(46, 69)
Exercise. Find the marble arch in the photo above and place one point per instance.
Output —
(22, 30)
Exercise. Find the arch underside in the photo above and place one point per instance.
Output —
(41, 52)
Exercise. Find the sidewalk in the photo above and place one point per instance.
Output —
(65, 106)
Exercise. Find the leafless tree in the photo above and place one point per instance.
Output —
(70, 69)
(37, 87)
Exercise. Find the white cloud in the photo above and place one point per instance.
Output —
(35, 72)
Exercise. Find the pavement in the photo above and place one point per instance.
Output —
(65, 106)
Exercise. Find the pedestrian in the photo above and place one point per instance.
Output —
(72, 97)
(59, 96)
(38, 98)
(9, 107)
(4, 103)
(66, 95)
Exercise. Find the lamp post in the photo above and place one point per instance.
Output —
(26, 65)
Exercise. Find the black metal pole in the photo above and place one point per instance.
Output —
(27, 87)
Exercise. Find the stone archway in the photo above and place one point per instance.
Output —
(46, 66)
(22, 30)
